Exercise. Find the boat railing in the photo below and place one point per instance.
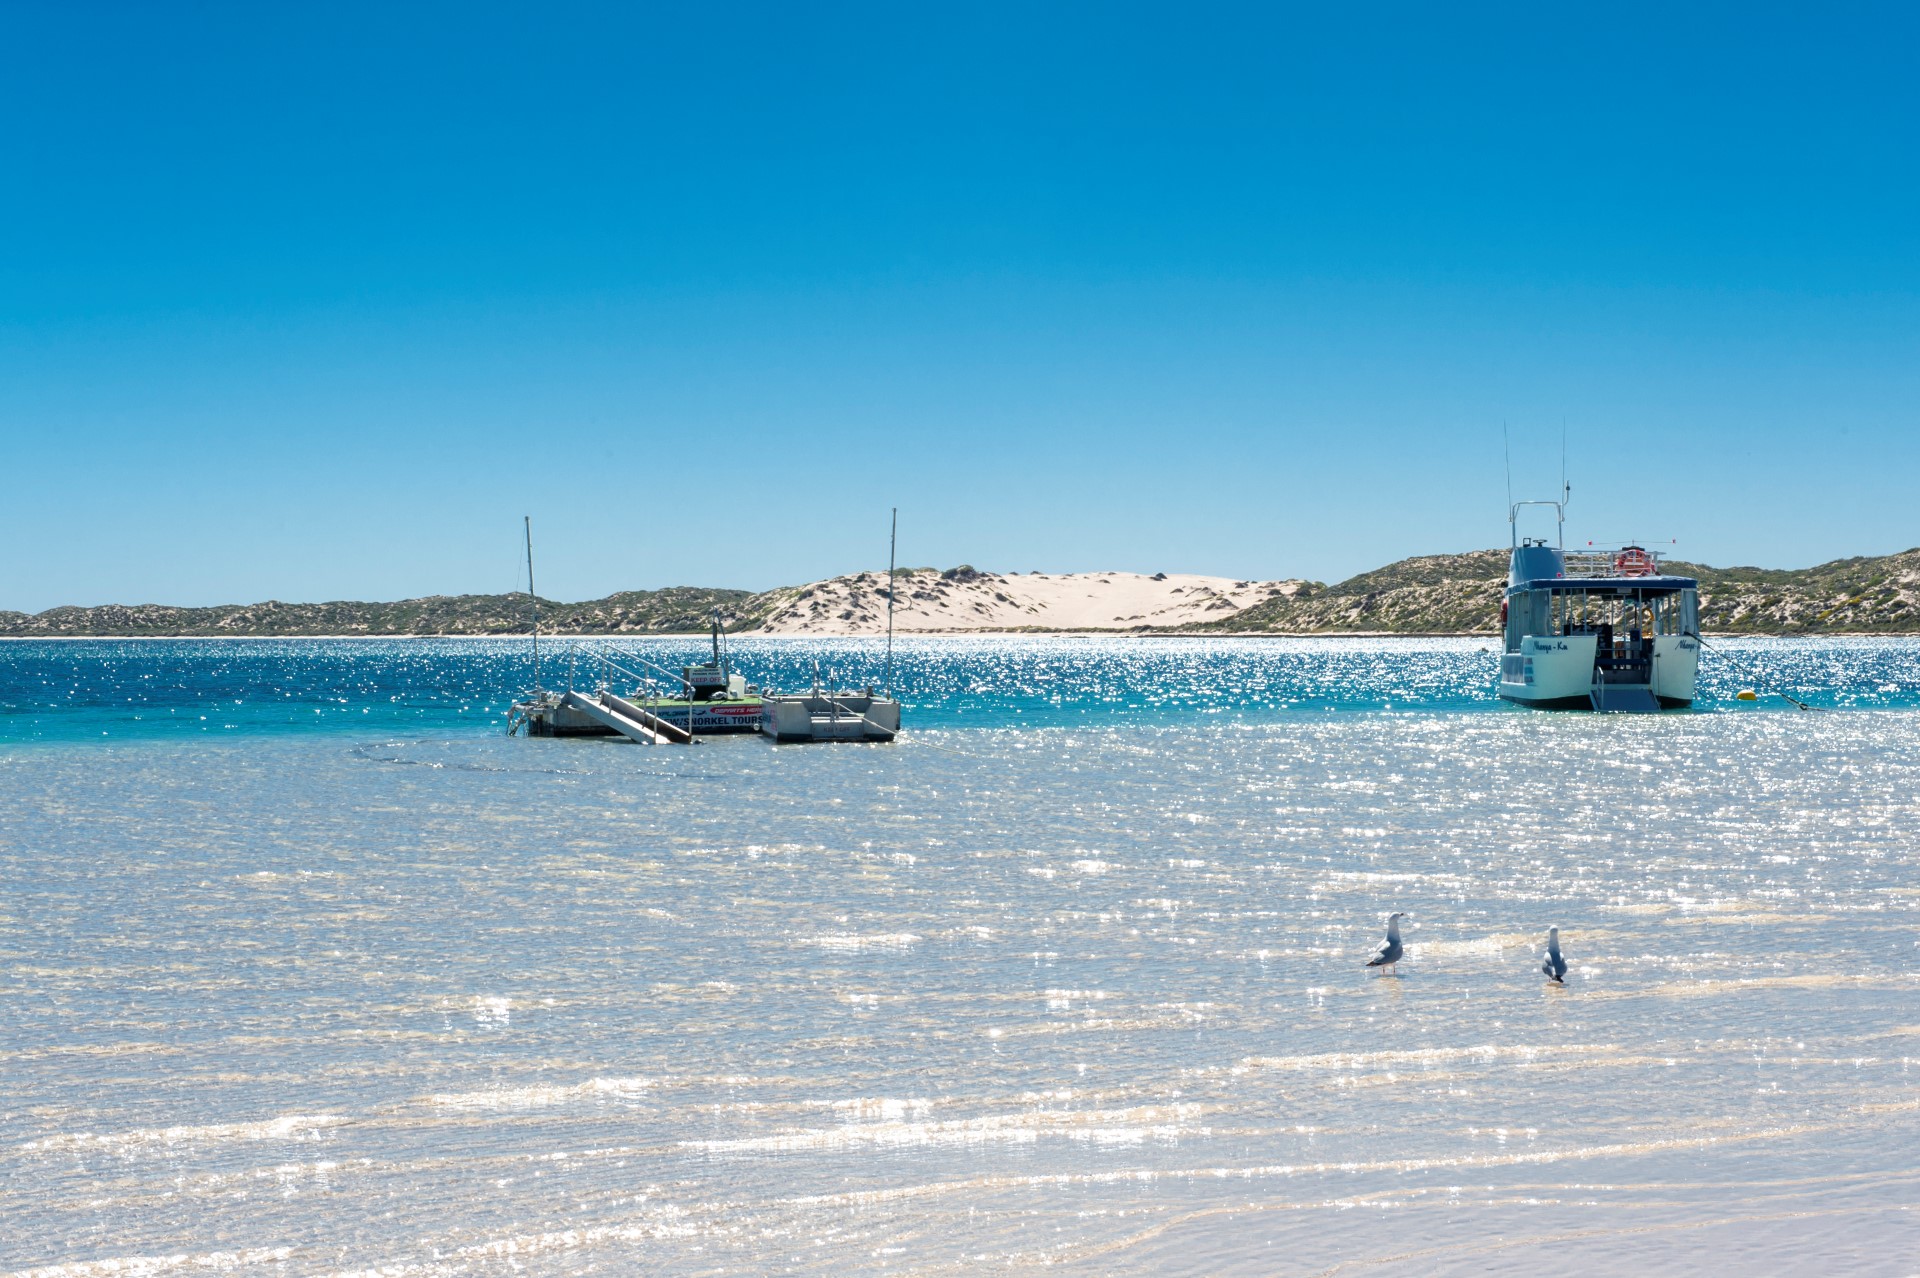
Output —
(829, 692)
(1631, 562)
(605, 665)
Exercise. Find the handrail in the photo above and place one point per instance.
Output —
(833, 701)
(1586, 564)
(611, 664)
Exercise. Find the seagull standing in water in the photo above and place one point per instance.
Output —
(1551, 962)
(1390, 951)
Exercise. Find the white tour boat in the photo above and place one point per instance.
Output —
(1600, 630)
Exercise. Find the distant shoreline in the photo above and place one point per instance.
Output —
(1428, 596)
(782, 636)
(929, 634)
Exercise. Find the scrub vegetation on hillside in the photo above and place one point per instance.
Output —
(1460, 594)
(1427, 595)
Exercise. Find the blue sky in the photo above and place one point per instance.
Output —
(316, 304)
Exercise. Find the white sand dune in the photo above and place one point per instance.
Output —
(963, 600)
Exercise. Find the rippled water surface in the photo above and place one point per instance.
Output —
(139, 689)
(1078, 987)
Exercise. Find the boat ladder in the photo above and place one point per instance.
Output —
(628, 719)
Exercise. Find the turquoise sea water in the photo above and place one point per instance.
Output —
(338, 979)
(137, 689)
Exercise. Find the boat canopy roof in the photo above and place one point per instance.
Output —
(1656, 585)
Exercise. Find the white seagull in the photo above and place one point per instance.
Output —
(1551, 962)
(1390, 951)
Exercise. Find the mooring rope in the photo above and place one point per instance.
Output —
(1724, 653)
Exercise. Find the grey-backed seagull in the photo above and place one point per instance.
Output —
(1390, 951)
(1552, 962)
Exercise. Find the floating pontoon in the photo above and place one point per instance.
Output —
(711, 699)
(830, 716)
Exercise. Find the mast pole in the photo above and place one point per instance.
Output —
(893, 539)
(534, 601)
(1513, 512)
(1566, 489)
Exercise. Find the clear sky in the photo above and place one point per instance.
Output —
(314, 302)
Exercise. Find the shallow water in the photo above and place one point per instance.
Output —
(1085, 997)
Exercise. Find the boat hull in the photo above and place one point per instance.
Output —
(1676, 667)
(1554, 670)
(553, 717)
(1558, 672)
(709, 718)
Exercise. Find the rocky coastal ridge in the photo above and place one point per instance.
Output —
(1427, 595)
(1461, 594)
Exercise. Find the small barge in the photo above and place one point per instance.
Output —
(713, 701)
(711, 698)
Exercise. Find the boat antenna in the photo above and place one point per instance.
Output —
(534, 601)
(1506, 451)
(893, 540)
(1566, 489)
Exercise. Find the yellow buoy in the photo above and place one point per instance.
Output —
(1745, 694)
